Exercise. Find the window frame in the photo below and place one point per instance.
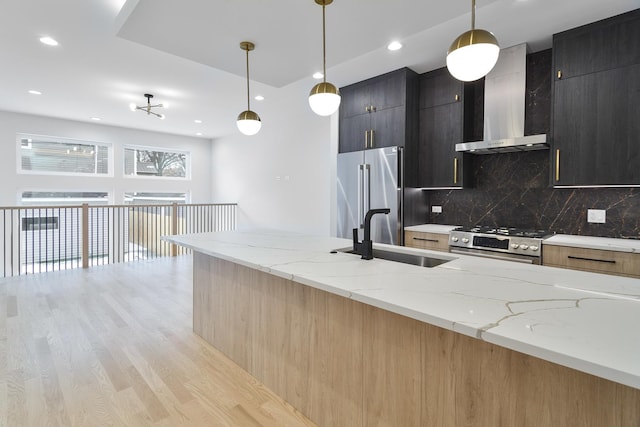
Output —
(74, 201)
(63, 140)
(187, 153)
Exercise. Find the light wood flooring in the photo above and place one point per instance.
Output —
(113, 346)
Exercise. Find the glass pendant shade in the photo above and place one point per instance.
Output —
(473, 55)
(249, 123)
(324, 99)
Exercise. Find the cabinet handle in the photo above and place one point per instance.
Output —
(557, 165)
(455, 170)
(366, 139)
(372, 133)
(559, 74)
(457, 97)
(426, 240)
(367, 109)
(608, 261)
(374, 109)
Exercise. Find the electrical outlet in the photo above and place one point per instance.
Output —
(436, 209)
(597, 216)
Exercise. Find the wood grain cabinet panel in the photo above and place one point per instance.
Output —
(595, 119)
(423, 240)
(593, 260)
(441, 127)
(379, 112)
(344, 363)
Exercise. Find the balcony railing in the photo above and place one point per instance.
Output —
(50, 238)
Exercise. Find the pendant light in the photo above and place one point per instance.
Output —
(248, 121)
(474, 53)
(324, 98)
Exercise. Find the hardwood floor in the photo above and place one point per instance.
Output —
(113, 346)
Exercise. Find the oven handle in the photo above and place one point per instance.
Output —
(485, 255)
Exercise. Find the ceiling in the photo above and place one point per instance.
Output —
(187, 52)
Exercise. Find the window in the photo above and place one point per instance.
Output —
(150, 163)
(47, 198)
(139, 198)
(57, 156)
(40, 223)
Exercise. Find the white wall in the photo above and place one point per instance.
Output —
(283, 177)
(12, 183)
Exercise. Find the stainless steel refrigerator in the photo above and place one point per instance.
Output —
(371, 179)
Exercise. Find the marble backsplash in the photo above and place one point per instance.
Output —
(512, 189)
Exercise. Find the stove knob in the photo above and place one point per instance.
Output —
(454, 239)
(515, 245)
(533, 248)
(465, 240)
(525, 247)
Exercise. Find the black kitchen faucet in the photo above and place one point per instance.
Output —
(365, 248)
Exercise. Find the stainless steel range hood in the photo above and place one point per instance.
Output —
(504, 102)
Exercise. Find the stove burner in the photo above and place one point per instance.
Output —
(505, 231)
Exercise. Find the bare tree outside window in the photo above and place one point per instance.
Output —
(155, 163)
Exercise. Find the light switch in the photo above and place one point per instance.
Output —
(597, 216)
(436, 209)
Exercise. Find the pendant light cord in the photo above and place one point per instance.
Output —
(248, 105)
(324, 48)
(473, 15)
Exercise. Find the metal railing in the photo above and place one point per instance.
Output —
(38, 239)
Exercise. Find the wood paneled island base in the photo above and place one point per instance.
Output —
(344, 363)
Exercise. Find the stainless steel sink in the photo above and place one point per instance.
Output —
(405, 258)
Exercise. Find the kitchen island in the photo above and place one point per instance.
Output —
(470, 342)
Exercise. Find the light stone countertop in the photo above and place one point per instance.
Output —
(581, 320)
(590, 242)
(431, 228)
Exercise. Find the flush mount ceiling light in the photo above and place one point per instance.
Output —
(48, 41)
(394, 45)
(474, 53)
(147, 108)
(248, 121)
(324, 98)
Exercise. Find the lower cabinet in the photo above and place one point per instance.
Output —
(593, 260)
(422, 240)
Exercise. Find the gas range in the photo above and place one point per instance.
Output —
(513, 244)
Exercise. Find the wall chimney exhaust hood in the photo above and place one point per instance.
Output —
(504, 102)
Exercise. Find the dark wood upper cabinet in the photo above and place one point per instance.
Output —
(441, 117)
(603, 45)
(596, 119)
(379, 112)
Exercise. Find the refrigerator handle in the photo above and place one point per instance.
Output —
(367, 183)
(360, 196)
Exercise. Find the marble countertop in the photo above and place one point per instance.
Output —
(590, 242)
(581, 320)
(432, 228)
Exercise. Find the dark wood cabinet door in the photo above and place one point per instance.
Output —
(389, 127)
(441, 127)
(355, 100)
(439, 87)
(353, 133)
(389, 91)
(596, 129)
(602, 45)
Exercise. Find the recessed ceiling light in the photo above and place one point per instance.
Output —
(318, 75)
(35, 92)
(199, 134)
(197, 121)
(48, 41)
(259, 98)
(97, 119)
(395, 45)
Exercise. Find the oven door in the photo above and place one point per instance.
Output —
(495, 255)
